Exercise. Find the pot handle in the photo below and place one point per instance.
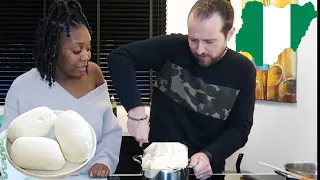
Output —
(285, 175)
(138, 159)
(190, 167)
(240, 156)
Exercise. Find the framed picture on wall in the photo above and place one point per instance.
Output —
(270, 35)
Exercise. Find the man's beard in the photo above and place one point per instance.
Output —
(212, 61)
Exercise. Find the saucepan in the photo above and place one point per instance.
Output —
(172, 174)
(305, 169)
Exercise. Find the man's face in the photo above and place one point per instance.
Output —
(206, 40)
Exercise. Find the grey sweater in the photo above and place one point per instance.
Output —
(28, 91)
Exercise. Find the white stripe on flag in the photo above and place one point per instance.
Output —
(276, 32)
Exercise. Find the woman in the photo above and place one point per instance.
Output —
(64, 79)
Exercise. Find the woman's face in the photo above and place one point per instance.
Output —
(75, 52)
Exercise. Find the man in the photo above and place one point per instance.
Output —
(204, 93)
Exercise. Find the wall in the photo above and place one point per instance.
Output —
(282, 132)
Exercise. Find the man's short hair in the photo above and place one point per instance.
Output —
(205, 9)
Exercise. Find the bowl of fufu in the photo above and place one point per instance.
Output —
(31, 150)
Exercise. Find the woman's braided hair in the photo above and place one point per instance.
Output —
(62, 16)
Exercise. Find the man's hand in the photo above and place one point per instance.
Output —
(201, 166)
(99, 171)
(138, 129)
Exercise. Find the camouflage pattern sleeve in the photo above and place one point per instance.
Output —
(139, 55)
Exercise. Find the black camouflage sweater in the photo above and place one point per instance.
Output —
(208, 109)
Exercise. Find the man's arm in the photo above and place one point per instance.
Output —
(140, 55)
(239, 122)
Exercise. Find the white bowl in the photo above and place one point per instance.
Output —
(67, 170)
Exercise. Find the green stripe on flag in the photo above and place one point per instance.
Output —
(301, 17)
(250, 36)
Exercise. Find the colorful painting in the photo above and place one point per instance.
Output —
(270, 36)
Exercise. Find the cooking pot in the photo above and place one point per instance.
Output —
(174, 174)
(305, 169)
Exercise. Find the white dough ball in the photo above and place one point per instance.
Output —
(74, 136)
(36, 122)
(38, 153)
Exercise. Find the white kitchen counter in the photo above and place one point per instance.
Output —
(84, 177)
(234, 177)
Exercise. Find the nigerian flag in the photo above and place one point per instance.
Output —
(267, 31)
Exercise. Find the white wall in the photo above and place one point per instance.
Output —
(281, 132)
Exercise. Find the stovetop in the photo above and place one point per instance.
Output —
(191, 177)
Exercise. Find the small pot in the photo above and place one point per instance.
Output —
(304, 169)
(149, 174)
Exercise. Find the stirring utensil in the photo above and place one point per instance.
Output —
(285, 171)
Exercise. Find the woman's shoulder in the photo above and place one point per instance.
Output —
(27, 78)
(95, 73)
(22, 86)
(101, 87)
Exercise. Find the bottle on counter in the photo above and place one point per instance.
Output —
(114, 105)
